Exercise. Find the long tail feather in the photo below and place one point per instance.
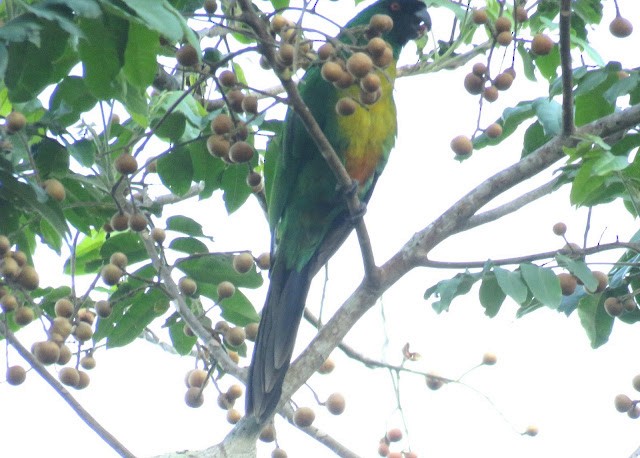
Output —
(276, 338)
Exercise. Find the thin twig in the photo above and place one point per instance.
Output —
(568, 126)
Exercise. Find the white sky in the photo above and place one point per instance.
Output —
(546, 374)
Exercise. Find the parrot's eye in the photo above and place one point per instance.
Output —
(395, 6)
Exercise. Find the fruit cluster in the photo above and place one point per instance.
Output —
(624, 404)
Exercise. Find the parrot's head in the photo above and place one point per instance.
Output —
(410, 19)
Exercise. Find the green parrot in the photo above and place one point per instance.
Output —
(308, 216)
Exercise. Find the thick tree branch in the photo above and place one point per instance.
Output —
(91, 422)
(567, 72)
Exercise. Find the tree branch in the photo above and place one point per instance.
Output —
(567, 72)
(91, 422)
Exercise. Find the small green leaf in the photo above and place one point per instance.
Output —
(608, 163)
(447, 290)
(185, 225)
(543, 283)
(181, 342)
(579, 269)
(491, 294)
(83, 151)
(188, 245)
(69, 100)
(140, 64)
(128, 243)
(594, 319)
(176, 171)
(51, 158)
(141, 312)
(217, 267)
(512, 284)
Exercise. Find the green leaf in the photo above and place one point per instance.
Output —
(595, 321)
(543, 283)
(549, 114)
(140, 64)
(159, 16)
(608, 163)
(137, 317)
(87, 252)
(188, 245)
(579, 269)
(217, 267)
(206, 168)
(128, 243)
(185, 225)
(50, 236)
(512, 284)
(549, 64)
(234, 185)
(102, 53)
(51, 158)
(491, 294)
(447, 290)
(236, 309)
(176, 171)
(181, 342)
(83, 151)
(30, 65)
(69, 100)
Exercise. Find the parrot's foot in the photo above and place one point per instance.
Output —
(350, 191)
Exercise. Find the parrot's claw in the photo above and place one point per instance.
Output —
(358, 213)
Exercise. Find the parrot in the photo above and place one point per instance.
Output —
(307, 212)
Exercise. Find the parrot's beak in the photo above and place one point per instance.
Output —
(424, 20)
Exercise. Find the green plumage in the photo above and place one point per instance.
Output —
(308, 216)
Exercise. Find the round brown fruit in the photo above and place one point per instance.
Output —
(473, 84)
(103, 309)
(8, 303)
(5, 245)
(120, 221)
(193, 397)
(254, 179)
(28, 278)
(235, 336)
(489, 359)
(286, 53)
(480, 16)
(568, 283)
(531, 430)
(187, 286)
(268, 433)
(250, 104)
(303, 417)
(479, 69)
(16, 375)
(503, 81)
(83, 331)
(222, 124)
(46, 352)
(234, 391)
(158, 235)
(434, 383)
(197, 378)
(370, 83)
(521, 13)
(119, 259)
(383, 449)
(636, 382)
(278, 23)
(327, 366)
(490, 94)
(331, 71)
(64, 308)
(111, 274)
(264, 261)
(84, 380)
(336, 403)
(210, 6)
(61, 326)
(384, 59)
(23, 316)
(603, 281)
(326, 51)
(504, 38)
(241, 152)
(137, 222)
(251, 331)
(620, 27)
(243, 262)
(218, 146)
(380, 23)
(541, 45)
(233, 416)
(225, 289)
(20, 257)
(9, 267)
(16, 121)
(359, 64)
(394, 435)
(278, 453)
(376, 46)
(629, 304)
(187, 56)
(54, 189)
(86, 315)
(613, 306)
(235, 98)
(462, 145)
(623, 403)
(88, 362)
(493, 130)
(65, 355)
(346, 106)
(503, 24)
(126, 164)
(560, 229)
